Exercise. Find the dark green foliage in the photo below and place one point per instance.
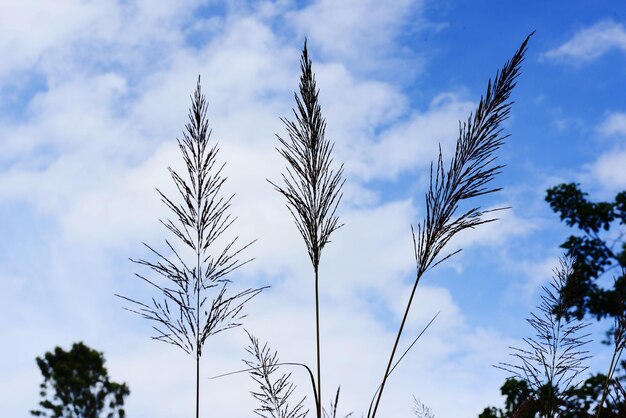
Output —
(599, 249)
(76, 384)
(577, 402)
(517, 393)
(576, 210)
(583, 399)
(554, 357)
(594, 254)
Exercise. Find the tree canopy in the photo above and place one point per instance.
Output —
(597, 250)
(76, 385)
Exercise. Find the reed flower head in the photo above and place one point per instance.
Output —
(194, 301)
(555, 356)
(311, 186)
(274, 393)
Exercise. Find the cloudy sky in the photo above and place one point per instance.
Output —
(94, 94)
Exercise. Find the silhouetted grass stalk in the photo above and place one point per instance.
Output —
(333, 407)
(619, 339)
(554, 358)
(406, 351)
(278, 363)
(312, 188)
(274, 394)
(420, 410)
(187, 315)
(470, 170)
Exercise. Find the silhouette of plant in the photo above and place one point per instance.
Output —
(596, 251)
(195, 302)
(421, 410)
(599, 249)
(311, 186)
(554, 357)
(274, 394)
(76, 384)
(467, 176)
(333, 407)
(619, 344)
(313, 192)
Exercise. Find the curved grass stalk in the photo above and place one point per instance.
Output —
(619, 341)
(249, 369)
(274, 394)
(555, 356)
(467, 176)
(369, 411)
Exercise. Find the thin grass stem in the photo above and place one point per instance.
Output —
(311, 186)
(195, 300)
(619, 340)
(554, 358)
(469, 172)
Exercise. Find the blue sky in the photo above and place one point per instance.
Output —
(93, 95)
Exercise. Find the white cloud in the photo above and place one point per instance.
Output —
(89, 149)
(614, 124)
(56, 24)
(99, 34)
(361, 33)
(508, 225)
(412, 144)
(539, 273)
(591, 43)
(609, 171)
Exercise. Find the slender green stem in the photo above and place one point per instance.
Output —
(198, 264)
(552, 399)
(197, 386)
(369, 411)
(198, 335)
(317, 331)
(395, 345)
(307, 368)
(605, 391)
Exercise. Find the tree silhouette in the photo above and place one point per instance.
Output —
(518, 403)
(553, 358)
(76, 385)
(600, 249)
